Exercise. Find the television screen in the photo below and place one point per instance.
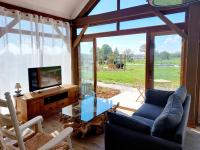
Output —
(44, 77)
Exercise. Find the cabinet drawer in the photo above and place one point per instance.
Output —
(50, 107)
(63, 103)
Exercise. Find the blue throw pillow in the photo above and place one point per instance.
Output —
(166, 123)
(181, 92)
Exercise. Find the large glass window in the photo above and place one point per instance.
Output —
(121, 64)
(167, 62)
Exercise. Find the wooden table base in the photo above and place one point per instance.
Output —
(81, 128)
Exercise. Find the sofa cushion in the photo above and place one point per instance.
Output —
(166, 123)
(135, 123)
(144, 120)
(157, 97)
(149, 111)
(181, 92)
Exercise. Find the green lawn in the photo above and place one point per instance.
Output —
(136, 72)
(121, 76)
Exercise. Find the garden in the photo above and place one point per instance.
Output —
(166, 67)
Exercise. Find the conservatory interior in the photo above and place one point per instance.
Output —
(98, 74)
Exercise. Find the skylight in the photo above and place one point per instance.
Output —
(104, 6)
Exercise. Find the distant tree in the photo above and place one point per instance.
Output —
(111, 58)
(100, 56)
(116, 52)
(106, 50)
(164, 55)
(143, 48)
(176, 54)
(128, 55)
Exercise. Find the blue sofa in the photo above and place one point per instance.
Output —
(135, 132)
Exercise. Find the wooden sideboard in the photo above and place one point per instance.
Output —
(33, 104)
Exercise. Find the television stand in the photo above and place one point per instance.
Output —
(44, 103)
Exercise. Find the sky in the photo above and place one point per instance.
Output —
(170, 43)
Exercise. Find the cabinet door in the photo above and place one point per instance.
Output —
(34, 108)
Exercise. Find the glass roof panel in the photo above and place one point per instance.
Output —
(131, 3)
(104, 6)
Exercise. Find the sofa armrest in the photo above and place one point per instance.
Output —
(129, 122)
(157, 97)
(180, 132)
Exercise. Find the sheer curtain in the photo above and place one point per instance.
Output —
(28, 40)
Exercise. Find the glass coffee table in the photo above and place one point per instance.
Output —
(88, 113)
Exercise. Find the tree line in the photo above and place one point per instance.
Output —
(108, 55)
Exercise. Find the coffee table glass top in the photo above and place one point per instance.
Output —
(88, 108)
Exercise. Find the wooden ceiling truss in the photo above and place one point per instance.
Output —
(172, 26)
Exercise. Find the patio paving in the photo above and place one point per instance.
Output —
(127, 97)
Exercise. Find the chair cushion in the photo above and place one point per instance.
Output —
(149, 111)
(166, 123)
(181, 92)
(157, 97)
(135, 123)
(40, 139)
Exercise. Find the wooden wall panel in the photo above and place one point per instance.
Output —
(74, 58)
(192, 61)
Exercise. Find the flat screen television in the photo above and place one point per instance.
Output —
(44, 77)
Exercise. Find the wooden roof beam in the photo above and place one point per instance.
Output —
(88, 8)
(132, 13)
(78, 39)
(173, 26)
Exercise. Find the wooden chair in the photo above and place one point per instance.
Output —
(37, 141)
(140, 88)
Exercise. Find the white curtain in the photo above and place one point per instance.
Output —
(28, 40)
